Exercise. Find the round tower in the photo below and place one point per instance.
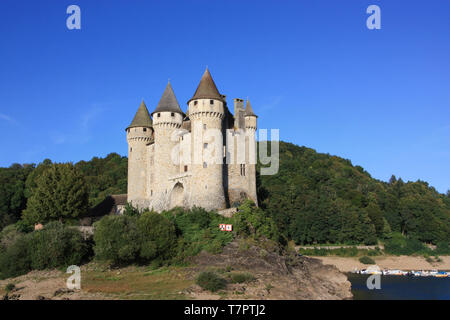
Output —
(167, 119)
(139, 134)
(250, 132)
(206, 112)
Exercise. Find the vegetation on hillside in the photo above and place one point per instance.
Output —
(318, 198)
(315, 198)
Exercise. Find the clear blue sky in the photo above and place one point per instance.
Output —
(311, 68)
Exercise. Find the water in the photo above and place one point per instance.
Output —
(401, 288)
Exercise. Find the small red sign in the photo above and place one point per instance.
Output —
(226, 227)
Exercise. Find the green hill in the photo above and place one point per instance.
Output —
(319, 198)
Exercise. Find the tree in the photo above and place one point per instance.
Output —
(60, 194)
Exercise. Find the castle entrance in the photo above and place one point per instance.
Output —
(177, 196)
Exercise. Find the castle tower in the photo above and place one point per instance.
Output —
(139, 134)
(167, 119)
(206, 112)
(250, 166)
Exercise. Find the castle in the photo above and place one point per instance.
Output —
(203, 158)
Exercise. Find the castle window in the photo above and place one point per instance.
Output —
(195, 102)
(205, 165)
(159, 115)
(128, 130)
(172, 114)
(145, 129)
(206, 186)
(151, 192)
(242, 169)
(185, 168)
(204, 126)
(205, 145)
(131, 149)
(211, 101)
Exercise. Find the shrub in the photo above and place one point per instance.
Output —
(254, 222)
(10, 287)
(198, 230)
(399, 244)
(116, 239)
(366, 260)
(15, 260)
(210, 281)
(56, 246)
(157, 237)
(241, 277)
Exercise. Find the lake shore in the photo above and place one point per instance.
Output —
(348, 264)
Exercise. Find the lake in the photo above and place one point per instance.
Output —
(401, 287)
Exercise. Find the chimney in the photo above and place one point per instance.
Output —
(239, 113)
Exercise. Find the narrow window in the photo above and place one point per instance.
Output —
(204, 165)
(172, 114)
(205, 145)
(145, 129)
(204, 126)
(185, 168)
(151, 192)
(128, 130)
(159, 115)
(195, 102)
(242, 169)
(131, 149)
(211, 101)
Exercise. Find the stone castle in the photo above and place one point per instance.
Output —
(203, 158)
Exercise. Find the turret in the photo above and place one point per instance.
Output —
(206, 112)
(139, 134)
(250, 117)
(250, 128)
(167, 118)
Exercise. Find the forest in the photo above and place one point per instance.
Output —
(315, 198)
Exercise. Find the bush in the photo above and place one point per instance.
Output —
(10, 287)
(366, 260)
(15, 260)
(116, 239)
(56, 246)
(198, 230)
(157, 237)
(210, 281)
(241, 277)
(399, 244)
(127, 239)
(254, 222)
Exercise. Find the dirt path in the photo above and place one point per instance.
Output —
(347, 264)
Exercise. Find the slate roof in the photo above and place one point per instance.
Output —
(207, 88)
(142, 117)
(249, 110)
(168, 102)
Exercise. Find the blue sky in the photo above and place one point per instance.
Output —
(311, 68)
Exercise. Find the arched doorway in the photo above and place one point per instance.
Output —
(177, 196)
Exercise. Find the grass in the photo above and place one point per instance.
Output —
(138, 283)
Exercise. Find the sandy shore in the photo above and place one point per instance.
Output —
(348, 264)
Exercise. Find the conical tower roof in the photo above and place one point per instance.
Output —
(207, 88)
(249, 110)
(168, 102)
(142, 117)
